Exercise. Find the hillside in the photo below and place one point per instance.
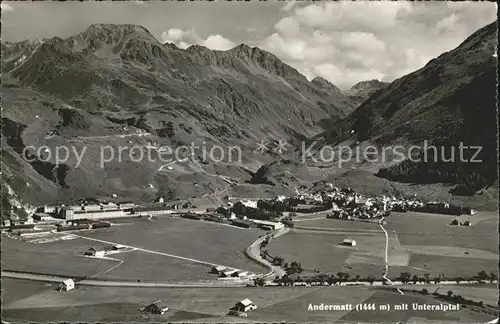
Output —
(451, 100)
(362, 90)
(116, 85)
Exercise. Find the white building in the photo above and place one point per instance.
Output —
(249, 203)
(218, 269)
(96, 252)
(317, 198)
(349, 242)
(158, 307)
(245, 305)
(271, 225)
(242, 274)
(280, 198)
(67, 285)
(228, 273)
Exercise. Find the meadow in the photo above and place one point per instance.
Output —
(34, 301)
(200, 240)
(419, 243)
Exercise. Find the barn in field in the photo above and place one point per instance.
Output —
(96, 252)
(67, 285)
(244, 306)
(158, 307)
(349, 242)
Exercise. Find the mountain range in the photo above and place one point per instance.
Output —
(117, 85)
(451, 101)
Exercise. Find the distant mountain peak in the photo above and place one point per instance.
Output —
(113, 28)
(111, 33)
(374, 83)
(250, 52)
(325, 84)
(322, 82)
(196, 48)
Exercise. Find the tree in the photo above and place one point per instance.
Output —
(259, 282)
(482, 275)
(414, 279)
(449, 293)
(294, 266)
(342, 276)
(371, 280)
(424, 291)
(405, 277)
(279, 261)
(427, 278)
(493, 277)
(458, 280)
(286, 265)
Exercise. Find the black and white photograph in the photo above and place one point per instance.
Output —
(249, 162)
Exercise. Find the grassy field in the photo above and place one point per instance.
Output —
(434, 230)
(65, 258)
(200, 240)
(487, 293)
(204, 241)
(336, 223)
(449, 266)
(58, 258)
(391, 297)
(32, 301)
(296, 309)
(321, 250)
(418, 242)
(122, 304)
(139, 265)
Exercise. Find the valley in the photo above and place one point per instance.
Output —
(231, 187)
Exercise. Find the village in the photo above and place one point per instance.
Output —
(268, 214)
(276, 216)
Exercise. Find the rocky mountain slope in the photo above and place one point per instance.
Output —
(449, 102)
(452, 100)
(116, 85)
(362, 90)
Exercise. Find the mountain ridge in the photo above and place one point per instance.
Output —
(103, 84)
(451, 100)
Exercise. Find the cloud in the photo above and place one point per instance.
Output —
(186, 38)
(288, 5)
(218, 42)
(347, 42)
(6, 7)
(140, 3)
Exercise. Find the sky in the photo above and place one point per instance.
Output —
(343, 42)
